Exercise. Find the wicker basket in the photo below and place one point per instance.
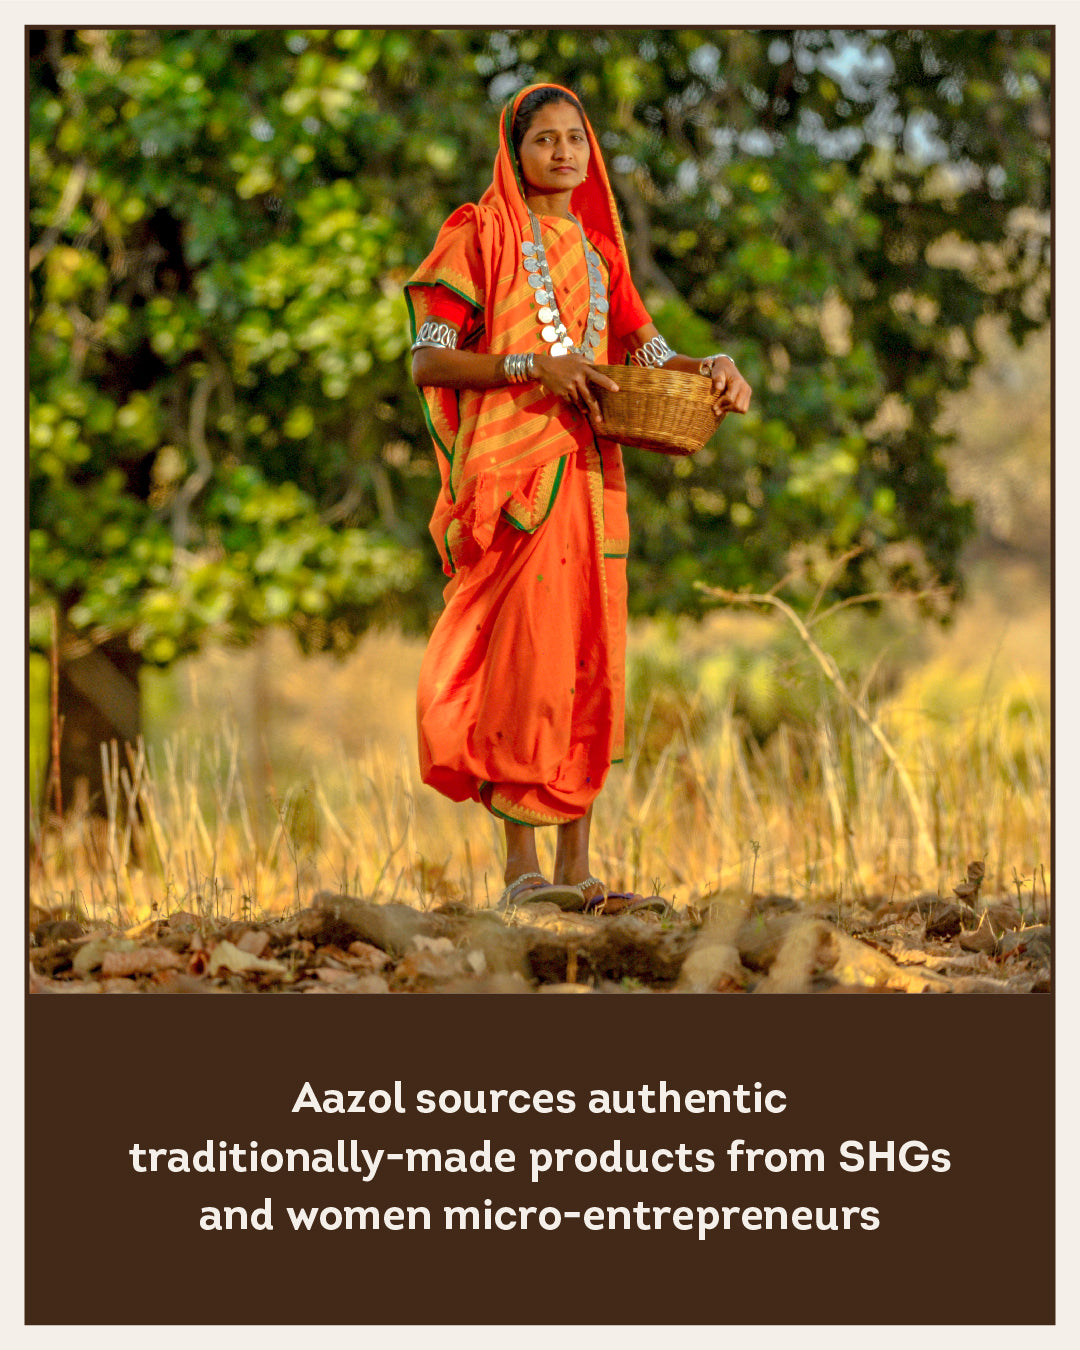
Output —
(663, 410)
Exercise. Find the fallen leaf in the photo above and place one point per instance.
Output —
(907, 956)
(1001, 916)
(142, 961)
(862, 966)
(255, 941)
(371, 984)
(943, 920)
(710, 965)
(179, 982)
(440, 946)
(424, 970)
(142, 929)
(979, 939)
(91, 954)
(332, 956)
(979, 984)
(366, 958)
(41, 984)
(226, 956)
(1034, 943)
(334, 975)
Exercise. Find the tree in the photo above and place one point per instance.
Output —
(223, 434)
(215, 354)
(839, 209)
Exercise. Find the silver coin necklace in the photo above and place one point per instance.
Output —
(552, 328)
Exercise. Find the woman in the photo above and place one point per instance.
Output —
(520, 699)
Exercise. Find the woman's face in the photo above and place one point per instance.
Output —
(554, 153)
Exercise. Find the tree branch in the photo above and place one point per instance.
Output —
(642, 263)
(69, 200)
(204, 465)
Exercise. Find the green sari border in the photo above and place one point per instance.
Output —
(502, 814)
(525, 529)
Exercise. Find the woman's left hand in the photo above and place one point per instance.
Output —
(731, 393)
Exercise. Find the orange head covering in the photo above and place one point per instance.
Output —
(490, 443)
(592, 201)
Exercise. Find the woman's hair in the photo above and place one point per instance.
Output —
(531, 104)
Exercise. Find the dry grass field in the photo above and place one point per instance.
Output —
(271, 777)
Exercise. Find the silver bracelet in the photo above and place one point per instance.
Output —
(435, 334)
(519, 367)
(655, 352)
(707, 363)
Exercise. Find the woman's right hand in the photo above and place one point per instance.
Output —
(569, 377)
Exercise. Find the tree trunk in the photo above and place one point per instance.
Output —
(99, 702)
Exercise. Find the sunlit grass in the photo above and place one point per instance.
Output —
(272, 777)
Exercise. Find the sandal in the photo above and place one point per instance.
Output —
(612, 903)
(596, 902)
(538, 888)
(510, 894)
(570, 896)
(629, 902)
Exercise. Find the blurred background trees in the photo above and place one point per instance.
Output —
(223, 434)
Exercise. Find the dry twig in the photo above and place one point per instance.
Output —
(832, 674)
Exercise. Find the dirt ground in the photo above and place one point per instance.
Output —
(728, 943)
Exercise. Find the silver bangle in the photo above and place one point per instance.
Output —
(519, 367)
(655, 352)
(435, 334)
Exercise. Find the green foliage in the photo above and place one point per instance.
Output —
(212, 372)
(223, 433)
(841, 208)
(684, 681)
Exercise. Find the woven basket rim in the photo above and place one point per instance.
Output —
(658, 377)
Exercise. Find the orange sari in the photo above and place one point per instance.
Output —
(521, 692)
